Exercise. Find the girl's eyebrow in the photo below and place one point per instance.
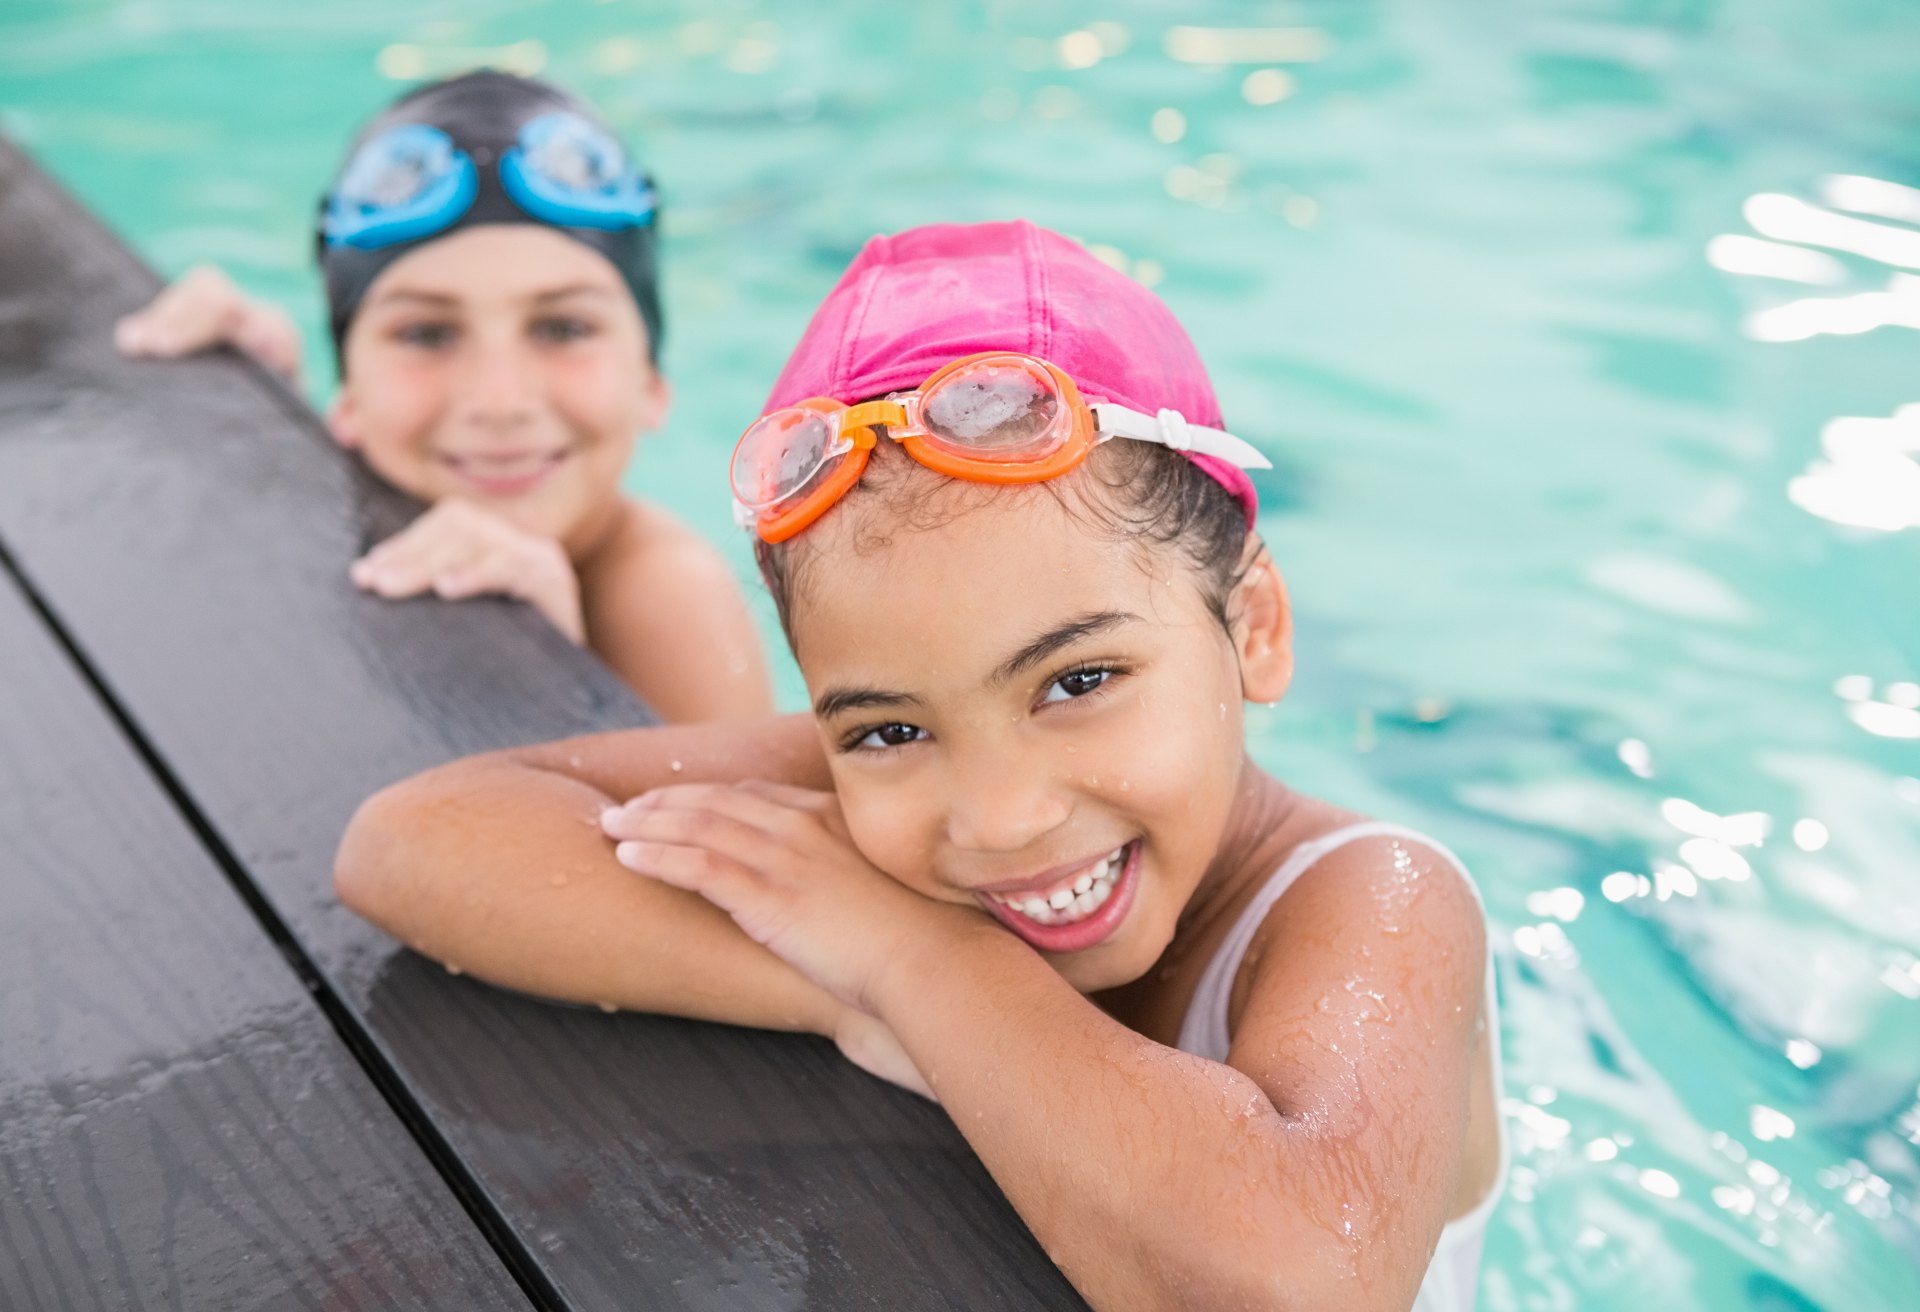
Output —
(838, 701)
(1054, 639)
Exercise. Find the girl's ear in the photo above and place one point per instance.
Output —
(1262, 626)
(343, 418)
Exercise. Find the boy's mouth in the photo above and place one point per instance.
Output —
(504, 474)
(1077, 911)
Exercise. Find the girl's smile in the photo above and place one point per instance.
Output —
(1074, 911)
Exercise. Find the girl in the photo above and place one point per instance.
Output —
(489, 261)
(1223, 1045)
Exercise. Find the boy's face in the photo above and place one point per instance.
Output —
(506, 364)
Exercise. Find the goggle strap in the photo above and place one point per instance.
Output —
(1169, 428)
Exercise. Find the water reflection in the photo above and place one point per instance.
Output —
(1246, 45)
(1898, 306)
(1868, 475)
(1735, 253)
(1788, 218)
(1795, 239)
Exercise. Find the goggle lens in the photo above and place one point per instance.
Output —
(1003, 408)
(570, 171)
(404, 183)
(781, 455)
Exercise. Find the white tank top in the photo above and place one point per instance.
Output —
(1453, 1276)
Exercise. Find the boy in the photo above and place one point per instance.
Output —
(489, 259)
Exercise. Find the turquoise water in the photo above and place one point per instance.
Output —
(1604, 535)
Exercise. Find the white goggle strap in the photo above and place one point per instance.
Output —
(744, 516)
(1170, 428)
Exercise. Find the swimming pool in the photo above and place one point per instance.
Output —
(1581, 333)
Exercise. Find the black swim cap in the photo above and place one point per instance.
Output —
(482, 112)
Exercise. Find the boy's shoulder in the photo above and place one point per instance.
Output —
(653, 544)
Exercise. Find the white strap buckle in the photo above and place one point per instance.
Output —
(1169, 428)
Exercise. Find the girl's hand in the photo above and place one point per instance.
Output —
(778, 860)
(204, 309)
(458, 549)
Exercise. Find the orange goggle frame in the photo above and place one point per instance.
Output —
(845, 436)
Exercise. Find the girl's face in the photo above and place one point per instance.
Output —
(506, 364)
(1024, 716)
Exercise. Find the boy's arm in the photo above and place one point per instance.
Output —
(204, 309)
(496, 866)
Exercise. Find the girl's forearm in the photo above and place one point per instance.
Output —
(1153, 1178)
(497, 867)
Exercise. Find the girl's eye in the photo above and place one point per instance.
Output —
(427, 336)
(562, 329)
(1076, 683)
(885, 736)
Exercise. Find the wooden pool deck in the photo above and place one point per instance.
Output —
(221, 1090)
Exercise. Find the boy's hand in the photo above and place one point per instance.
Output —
(204, 309)
(458, 549)
(778, 859)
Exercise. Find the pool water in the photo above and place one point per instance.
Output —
(1581, 332)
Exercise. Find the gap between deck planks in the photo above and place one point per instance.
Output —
(179, 1125)
(189, 527)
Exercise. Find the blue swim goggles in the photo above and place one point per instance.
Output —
(414, 180)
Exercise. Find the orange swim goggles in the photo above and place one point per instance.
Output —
(996, 417)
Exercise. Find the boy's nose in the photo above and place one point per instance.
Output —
(1003, 803)
(499, 387)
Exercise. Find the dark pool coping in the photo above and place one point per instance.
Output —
(178, 536)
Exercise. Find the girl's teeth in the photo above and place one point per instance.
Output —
(1076, 901)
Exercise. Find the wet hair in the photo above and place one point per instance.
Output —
(1137, 493)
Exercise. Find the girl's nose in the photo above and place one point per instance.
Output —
(1003, 802)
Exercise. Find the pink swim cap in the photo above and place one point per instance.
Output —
(910, 303)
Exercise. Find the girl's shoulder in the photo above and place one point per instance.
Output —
(1340, 885)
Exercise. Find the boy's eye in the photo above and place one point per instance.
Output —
(1076, 683)
(888, 735)
(428, 336)
(562, 329)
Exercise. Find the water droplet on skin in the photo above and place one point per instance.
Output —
(451, 968)
(677, 767)
(1124, 785)
(558, 881)
(574, 761)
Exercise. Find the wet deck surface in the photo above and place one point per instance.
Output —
(218, 1088)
